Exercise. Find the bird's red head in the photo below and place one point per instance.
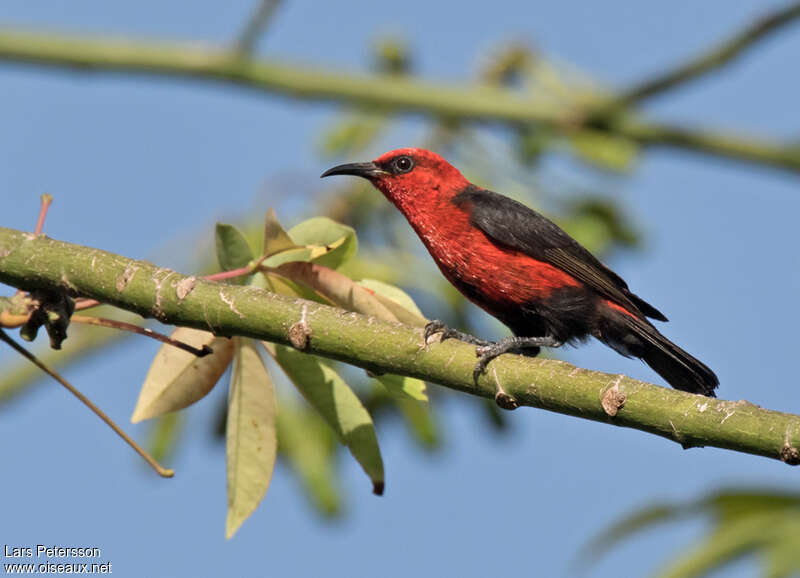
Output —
(411, 178)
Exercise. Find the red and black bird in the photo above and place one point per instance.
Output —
(523, 269)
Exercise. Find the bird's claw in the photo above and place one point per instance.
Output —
(437, 326)
(480, 368)
(434, 327)
(487, 351)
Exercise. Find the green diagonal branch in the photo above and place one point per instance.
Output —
(29, 262)
(468, 103)
(717, 57)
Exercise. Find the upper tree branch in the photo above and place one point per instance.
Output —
(402, 94)
(258, 21)
(30, 262)
(717, 57)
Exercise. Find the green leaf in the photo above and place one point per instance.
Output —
(397, 301)
(309, 445)
(327, 392)
(421, 423)
(780, 554)
(404, 387)
(725, 544)
(250, 438)
(606, 151)
(631, 524)
(275, 238)
(744, 522)
(164, 435)
(177, 378)
(324, 232)
(233, 250)
(728, 506)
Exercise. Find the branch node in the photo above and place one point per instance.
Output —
(613, 399)
(505, 401)
(300, 332)
(126, 277)
(184, 287)
(790, 455)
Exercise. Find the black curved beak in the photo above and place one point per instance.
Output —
(367, 170)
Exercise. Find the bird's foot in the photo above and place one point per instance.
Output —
(437, 326)
(528, 345)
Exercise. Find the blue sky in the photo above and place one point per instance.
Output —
(135, 163)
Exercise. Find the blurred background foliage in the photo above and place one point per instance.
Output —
(504, 158)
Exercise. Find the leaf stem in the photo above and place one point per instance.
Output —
(123, 326)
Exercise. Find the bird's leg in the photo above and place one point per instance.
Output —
(514, 344)
(437, 326)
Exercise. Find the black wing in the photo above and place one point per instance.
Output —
(516, 226)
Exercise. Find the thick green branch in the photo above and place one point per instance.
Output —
(31, 262)
(460, 102)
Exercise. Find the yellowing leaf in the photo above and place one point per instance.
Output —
(275, 238)
(177, 378)
(250, 438)
(327, 392)
(336, 242)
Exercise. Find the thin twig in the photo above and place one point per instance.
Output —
(240, 272)
(47, 200)
(256, 24)
(160, 470)
(121, 325)
(83, 304)
(717, 57)
(222, 275)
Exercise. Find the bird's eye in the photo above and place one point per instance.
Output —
(402, 165)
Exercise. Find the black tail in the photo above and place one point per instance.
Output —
(678, 368)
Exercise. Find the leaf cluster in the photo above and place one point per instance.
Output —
(302, 263)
